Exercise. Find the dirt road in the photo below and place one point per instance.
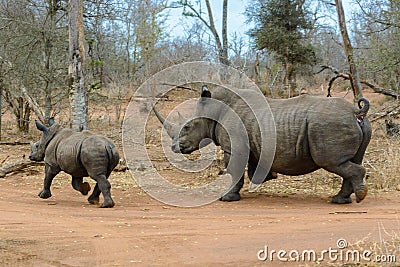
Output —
(66, 231)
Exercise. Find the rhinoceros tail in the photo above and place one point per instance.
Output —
(363, 108)
(113, 157)
(366, 137)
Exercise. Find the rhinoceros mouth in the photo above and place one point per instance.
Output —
(183, 149)
(32, 158)
(187, 150)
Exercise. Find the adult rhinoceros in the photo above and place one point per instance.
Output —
(79, 154)
(311, 133)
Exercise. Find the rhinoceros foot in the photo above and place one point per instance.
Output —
(361, 193)
(84, 188)
(230, 197)
(44, 194)
(341, 200)
(108, 204)
(94, 200)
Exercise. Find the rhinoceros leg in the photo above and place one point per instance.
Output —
(353, 174)
(251, 169)
(78, 185)
(233, 193)
(50, 173)
(343, 197)
(104, 186)
(94, 198)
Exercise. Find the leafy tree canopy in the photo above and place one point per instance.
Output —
(281, 26)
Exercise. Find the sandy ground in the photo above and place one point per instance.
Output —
(67, 231)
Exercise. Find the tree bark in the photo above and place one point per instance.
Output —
(52, 8)
(77, 64)
(224, 51)
(348, 49)
(290, 78)
(1, 104)
(256, 68)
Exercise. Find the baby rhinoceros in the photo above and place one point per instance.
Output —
(79, 154)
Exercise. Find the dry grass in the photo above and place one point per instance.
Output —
(382, 162)
(386, 248)
(381, 251)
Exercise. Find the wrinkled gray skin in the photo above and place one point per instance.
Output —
(79, 154)
(311, 133)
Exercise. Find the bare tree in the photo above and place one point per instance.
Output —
(32, 36)
(196, 12)
(379, 61)
(348, 49)
(77, 64)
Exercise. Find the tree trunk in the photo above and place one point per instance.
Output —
(52, 7)
(26, 117)
(224, 58)
(290, 79)
(33, 105)
(1, 105)
(23, 113)
(348, 49)
(256, 68)
(77, 64)
(221, 46)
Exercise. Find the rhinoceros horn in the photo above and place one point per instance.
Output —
(169, 127)
(41, 127)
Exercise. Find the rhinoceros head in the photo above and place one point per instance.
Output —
(38, 149)
(195, 132)
(191, 136)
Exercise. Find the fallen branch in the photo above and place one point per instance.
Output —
(4, 160)
(387, 110)
(376, 88)
(15, 143)
(387, 113)
(379, 90)
(348, 212)
(20, 165)
(17, 166)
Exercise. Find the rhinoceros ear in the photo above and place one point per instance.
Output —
(205, 92)
(41, 127)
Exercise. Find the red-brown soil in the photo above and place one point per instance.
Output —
(66, 231)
